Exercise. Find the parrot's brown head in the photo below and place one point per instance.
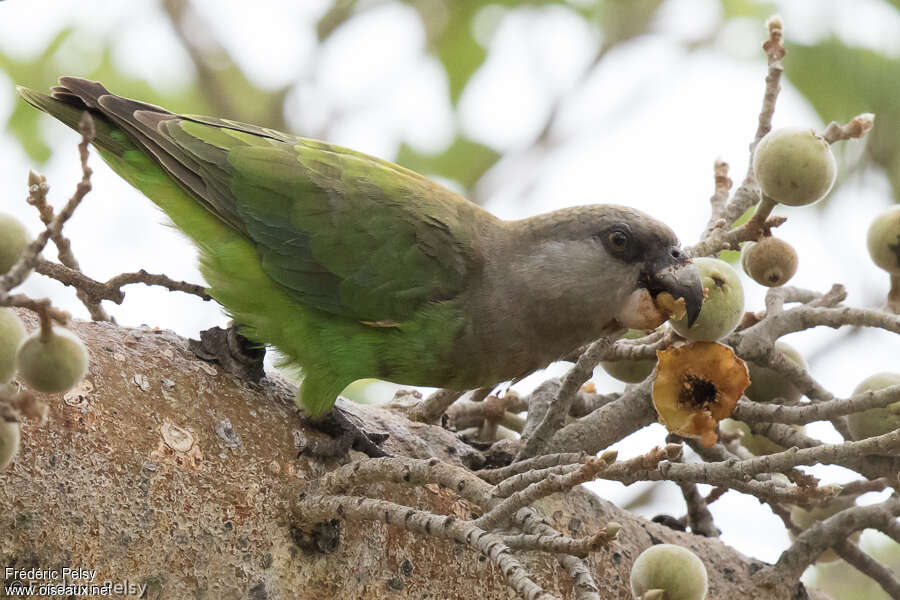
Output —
(627, 258)
(668, 282)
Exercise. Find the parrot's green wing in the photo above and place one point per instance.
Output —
(341, 231)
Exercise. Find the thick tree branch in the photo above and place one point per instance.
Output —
(608, 424)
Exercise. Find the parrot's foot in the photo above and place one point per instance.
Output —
(344, 434)
(237, 355)
(670, 522)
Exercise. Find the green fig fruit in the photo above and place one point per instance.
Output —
(672, 568)
(770, 262)
(876, 421)
(794, 166)
(14, 239)
(630, 371)
(756, 444)
(53, 365)
(767, 384)
(724, 304)
(12, 332)
(883, 241)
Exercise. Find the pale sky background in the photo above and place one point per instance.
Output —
(643, 131)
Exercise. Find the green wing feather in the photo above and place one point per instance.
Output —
(340, 231)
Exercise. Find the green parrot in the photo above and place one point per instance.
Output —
(354, 267)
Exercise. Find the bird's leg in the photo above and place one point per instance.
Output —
(344, 434)
(237, 355)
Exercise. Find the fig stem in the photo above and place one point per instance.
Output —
(758, 221)
(46, 324)
(893, 297)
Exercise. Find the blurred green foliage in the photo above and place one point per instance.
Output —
(464, 161)
(221, 88)
(41, 72)
(754, 9)
(734, 256)
(841, 82)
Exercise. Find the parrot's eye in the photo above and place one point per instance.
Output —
(618, 241)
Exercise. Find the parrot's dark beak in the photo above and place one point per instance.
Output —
(674, 273)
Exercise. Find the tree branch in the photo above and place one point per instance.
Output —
(825, 534)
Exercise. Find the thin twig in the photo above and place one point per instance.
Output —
(718, 235)
(721, 473)
(753, 412)
(37, 197)
(435, 405)
(408, 471)
(556, 543)
(505, 510)
(583, 585)
(539, 462)
(314, 508)
(720, 238)
(517, 483)
(857, 127)
(826, 533)
(699, 519)
(468, 413)
(23, 267)
(873, 467)
(867, 565)
(608, 424)
(555, 417)
(112, 289)
(719, 198)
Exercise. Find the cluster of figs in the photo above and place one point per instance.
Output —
(795, 167)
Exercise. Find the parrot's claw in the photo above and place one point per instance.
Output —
(235, 353)
(344, 434)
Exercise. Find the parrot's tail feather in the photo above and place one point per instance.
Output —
(91, 94)
(69, 108)
(134, 124)
(77, 90)
(142, 120)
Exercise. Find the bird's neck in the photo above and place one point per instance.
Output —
(539, 300)
(557, 288)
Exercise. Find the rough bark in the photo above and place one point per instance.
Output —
(162, 469)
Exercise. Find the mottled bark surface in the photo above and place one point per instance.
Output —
(162, 469)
